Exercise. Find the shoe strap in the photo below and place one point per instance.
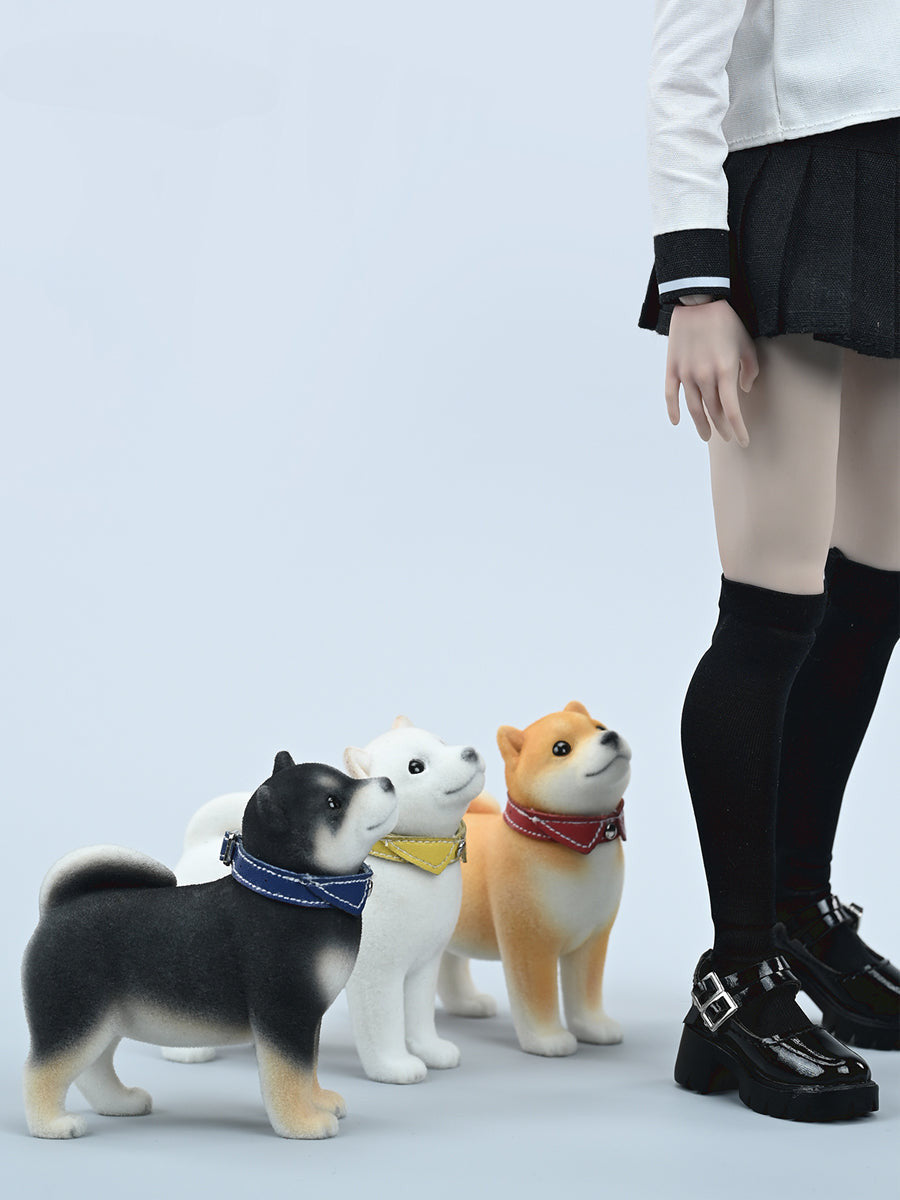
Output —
(811, 924)
(718, 997)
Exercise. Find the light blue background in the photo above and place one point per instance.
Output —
(324, 400)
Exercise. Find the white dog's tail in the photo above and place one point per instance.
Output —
(199, 862)
(98, 868)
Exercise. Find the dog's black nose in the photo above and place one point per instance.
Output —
(386, 785)
(470, 754)
(610, 738)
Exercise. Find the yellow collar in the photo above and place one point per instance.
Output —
(430, 853)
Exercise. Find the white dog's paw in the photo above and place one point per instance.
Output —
(438, 1053)
(188, 1054)
(69, 1125)
(480, 1004)
(399, 1069)
(599, 1031)
(129, 1102)
(551, 1045)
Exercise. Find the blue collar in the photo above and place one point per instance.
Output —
(346, 892)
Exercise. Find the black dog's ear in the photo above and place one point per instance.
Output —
(269, 809)
(283, 760)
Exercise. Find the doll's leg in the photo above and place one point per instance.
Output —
(774, 508)
(835, 693)
(105, 1091)
(421, 1035)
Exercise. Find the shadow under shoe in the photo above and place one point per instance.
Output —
(804, 1075)
(860, 1004)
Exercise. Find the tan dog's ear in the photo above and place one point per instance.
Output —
(576, 706)
(510, 740)
(402, 722)
(358, 763)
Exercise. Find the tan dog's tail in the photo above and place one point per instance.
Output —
(483, 803)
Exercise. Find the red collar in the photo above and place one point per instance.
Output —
(578, 833)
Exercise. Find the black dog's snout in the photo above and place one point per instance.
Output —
(610, 737)
(470, 754)
(386, 785)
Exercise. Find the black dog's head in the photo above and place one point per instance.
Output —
(313, 818)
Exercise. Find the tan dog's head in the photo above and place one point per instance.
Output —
(565, 763)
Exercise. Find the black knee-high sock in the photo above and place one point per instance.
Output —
(731, 741)
(828, 712)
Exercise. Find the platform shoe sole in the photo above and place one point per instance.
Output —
(848, 1028)
(704, 1067)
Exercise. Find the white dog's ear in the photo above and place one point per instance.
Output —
(402, 722)
(510, 740)
(358, 762)
(576, 706)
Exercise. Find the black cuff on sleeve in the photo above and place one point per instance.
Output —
(692, 262)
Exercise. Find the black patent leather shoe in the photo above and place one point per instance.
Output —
(802, 1076)
(862, 1007)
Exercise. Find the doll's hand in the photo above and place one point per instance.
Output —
(709, 350)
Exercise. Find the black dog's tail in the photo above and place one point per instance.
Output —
(96, 868)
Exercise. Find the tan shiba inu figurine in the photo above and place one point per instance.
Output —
(543, 880)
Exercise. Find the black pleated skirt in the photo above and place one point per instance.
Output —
(815, 239)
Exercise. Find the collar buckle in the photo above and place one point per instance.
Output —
(229, 846)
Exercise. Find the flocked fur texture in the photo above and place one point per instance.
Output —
(410, 915)
(412, 912)
(545, 910)
(119, 951)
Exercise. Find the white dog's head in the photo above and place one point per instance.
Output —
(433, 782)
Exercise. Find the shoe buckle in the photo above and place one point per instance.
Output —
(715, 1009)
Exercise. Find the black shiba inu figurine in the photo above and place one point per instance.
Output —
(119, 951)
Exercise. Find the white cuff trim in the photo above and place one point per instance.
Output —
(709, 281)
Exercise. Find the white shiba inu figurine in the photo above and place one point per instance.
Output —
(415, 900)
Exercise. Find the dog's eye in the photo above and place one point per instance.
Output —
(333, 802)
(416, 766)
(561, 748)
(599, 726)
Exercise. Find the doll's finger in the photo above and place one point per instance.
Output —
(714, 410)
(732, 408)
(749, 367)
(694, 402)
(672, 385)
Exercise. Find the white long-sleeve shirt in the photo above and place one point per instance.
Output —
(728, 74)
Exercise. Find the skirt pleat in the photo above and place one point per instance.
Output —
(814, 239)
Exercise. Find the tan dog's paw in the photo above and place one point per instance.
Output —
(332, 1102)
(439, 1053)
(313, 1125)
(70, 1125)
(478, 1005)
(598, 1031)
(552, 1045)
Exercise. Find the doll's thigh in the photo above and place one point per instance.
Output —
(867, 511)
(774, 501)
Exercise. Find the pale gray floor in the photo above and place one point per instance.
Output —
(606, 1122)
